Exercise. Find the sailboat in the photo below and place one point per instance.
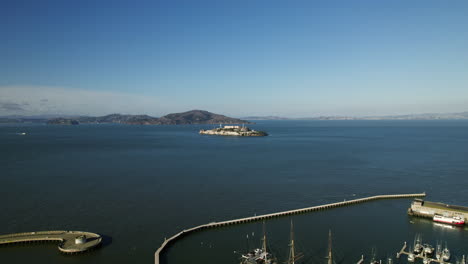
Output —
(418, 247)
(259, 255)
(438, 254)
(329, 256)
(293, 256)
(374, 257)
(446, 254)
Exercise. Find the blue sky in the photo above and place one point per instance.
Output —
(289, 58)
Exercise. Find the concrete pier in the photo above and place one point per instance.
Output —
(279, 214)
(69, 241)
(428, 209)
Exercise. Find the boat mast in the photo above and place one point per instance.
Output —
(329, 257)
(291, 247)
(264, 246)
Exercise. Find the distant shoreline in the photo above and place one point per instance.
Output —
(427, 116)
(198, 117)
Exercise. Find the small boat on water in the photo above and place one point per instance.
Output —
(451, 220)
(374, 257)
(438, 254)
(259, 255)
(428, 250)
(446, 254)
(418, 247)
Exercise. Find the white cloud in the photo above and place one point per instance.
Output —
(40, 100)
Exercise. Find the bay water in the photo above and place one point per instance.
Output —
(137, 185)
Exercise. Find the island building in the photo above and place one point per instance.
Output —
(80, 239)
(438, 211)
(231, 130)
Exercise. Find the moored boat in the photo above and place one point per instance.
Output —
(446, 254)
(418, 247)
(438, 252)
(259, 255)
(428, 250)
(452, 220)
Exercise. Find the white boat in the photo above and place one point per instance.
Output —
(428, 249)
(438, 254)
(418, 247)
(446, 254)
(451, 220)
(259, 255)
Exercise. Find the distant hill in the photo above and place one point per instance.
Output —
(198, 117)
(63, 121)
(266, 118)
(429, 116)
(205, 117)
(185, 118)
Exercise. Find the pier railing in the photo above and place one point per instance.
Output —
(279, 214)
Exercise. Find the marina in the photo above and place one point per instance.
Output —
(427, 253)
(259, 255)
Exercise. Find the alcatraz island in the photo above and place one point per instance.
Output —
(240, 131)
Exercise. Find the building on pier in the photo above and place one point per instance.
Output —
(422, 208)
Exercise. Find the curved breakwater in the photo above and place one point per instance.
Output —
(278, 214)
(69, 241)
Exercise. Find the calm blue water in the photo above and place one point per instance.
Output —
(139, 184)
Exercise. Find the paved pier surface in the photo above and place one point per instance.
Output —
(279, 214)
(67, 239)
(429, 209)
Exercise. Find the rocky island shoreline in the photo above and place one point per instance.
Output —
(239, 131)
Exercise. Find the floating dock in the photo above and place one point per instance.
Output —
(69, 241)
(403, 252)
(279, 214)
(428, 209)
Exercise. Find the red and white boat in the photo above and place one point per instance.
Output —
(452, 220)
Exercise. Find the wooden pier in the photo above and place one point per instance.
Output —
(69, 241)
(279, 214)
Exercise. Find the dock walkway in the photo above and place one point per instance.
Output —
(69, 241)
(279, 214)
(421, 256)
